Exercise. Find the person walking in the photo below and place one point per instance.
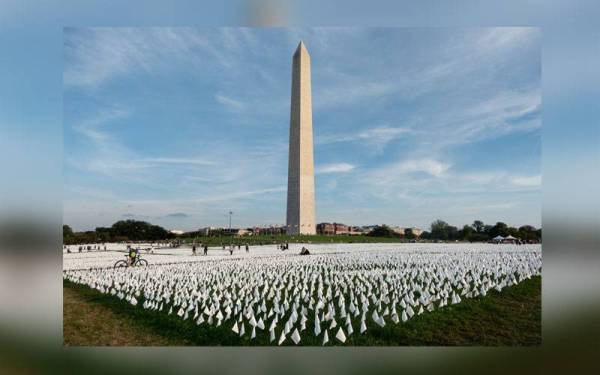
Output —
(247, 248)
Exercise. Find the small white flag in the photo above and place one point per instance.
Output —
(340, 335)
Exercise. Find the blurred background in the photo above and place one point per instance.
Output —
(31, 183)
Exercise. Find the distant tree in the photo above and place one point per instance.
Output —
(103, 234)
(120, 239)
(527, 228)
(479, 226)
(512, 231)
(86, 237)
(500, 229)
(68, 235)
(139, 231)
(425, 235)
(466, 232)
(529, 233)
(408, 234)
(382, 231)
(453, 233)
(479, 237)
(439, 230)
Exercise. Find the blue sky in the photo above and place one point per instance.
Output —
(177, 126)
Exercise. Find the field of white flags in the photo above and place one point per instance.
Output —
(338, 295)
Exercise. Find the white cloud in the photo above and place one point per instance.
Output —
(191, 161)
(353, 91)
(527, 181)
(240, 194)
(377, 136)
(229, 102)
(505, 113)
(506, 37)
(334, 168)
(432, 167)
(94, 56)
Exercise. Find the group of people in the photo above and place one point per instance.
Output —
(283, 246)
(203, 246)
(88, 248)
(231, 248)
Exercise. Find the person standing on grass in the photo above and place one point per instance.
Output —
(205, 249)
(247, 248)
(194, 250)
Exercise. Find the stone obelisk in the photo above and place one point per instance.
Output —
(301, 171)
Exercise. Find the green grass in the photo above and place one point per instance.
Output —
(511, 317)
(277, 239)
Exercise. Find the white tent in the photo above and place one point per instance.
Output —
(510, 237)
(498, 239)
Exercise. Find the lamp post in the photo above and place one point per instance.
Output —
(230, 234)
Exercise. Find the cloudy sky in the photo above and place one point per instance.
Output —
(177, 126)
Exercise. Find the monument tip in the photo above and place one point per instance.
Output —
(301, 45)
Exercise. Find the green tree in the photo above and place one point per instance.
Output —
(103, 234)
(512, 231)
(139, 231)
(500, 229)
(479, 226)
(382, 231)
(466, 232)
(529, 233)
(440, 230)
(68, 235)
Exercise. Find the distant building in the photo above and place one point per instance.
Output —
(402, 231)
(176, 232)
(236, 232)
(325, 229)
(337, 228)
(269, 230)
(398, 230)
(208, 230)
(366, 229)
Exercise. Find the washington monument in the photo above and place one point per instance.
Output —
(301, 171)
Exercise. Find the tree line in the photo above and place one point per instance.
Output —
(133, 230)
(476, 232)
(124, 230)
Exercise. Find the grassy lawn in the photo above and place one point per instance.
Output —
(511, 317)
(277, 239)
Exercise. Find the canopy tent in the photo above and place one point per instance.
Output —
(510, 239)
(498, 239)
